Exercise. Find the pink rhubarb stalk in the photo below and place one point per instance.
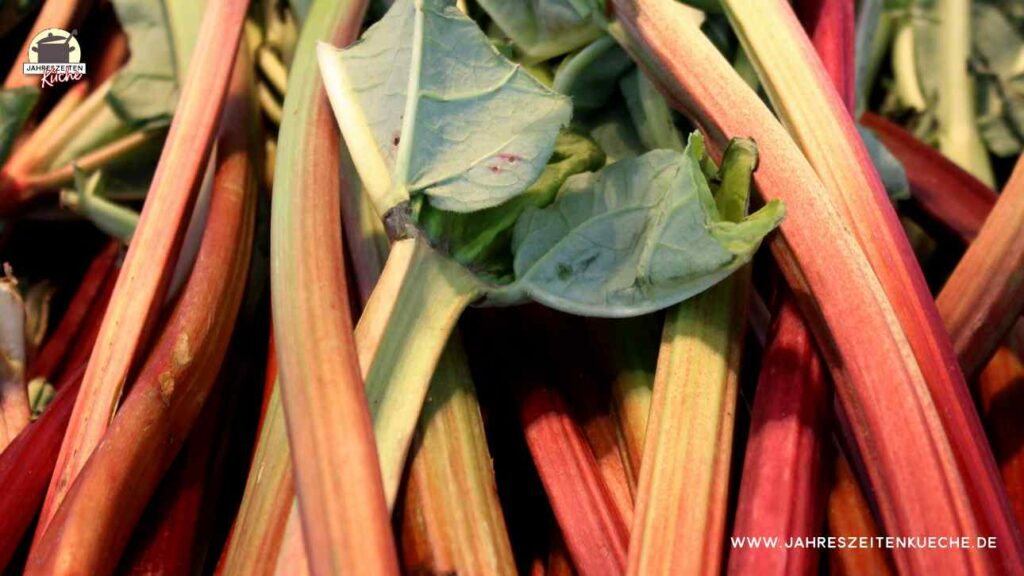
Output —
(984, 296)
(55, 351)
(149, 264)
(914, 469)
(92, 525)
(782, 493)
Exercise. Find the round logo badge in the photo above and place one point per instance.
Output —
(54, 46)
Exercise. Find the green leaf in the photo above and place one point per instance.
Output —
(637, 236)
(894, 177)
(999, 72)
(16, 106)
(589, 76)
(428, 106)
(482, 240)
(614, 132)
(651, 114)
(161, 35)
(542, 29)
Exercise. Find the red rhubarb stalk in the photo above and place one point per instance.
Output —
(914, 469)
(782, 490)
(92, 525)
(51, 357)
(1001, 394)
(849, 516)
(26, 466)
(831, 24)
(946, 193)
(167, 543)
(139, 294)
(813, 113)
(984, 296)
(595, 534)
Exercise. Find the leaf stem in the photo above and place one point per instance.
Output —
(959, 138)
(400, 336)
(345, 520)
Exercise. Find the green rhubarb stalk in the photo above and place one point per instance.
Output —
(400, 337)
(681, 505)
(632, 366)
(344, 514)
(904, 65)
(139, 294)
(259, 528)
(959, 138)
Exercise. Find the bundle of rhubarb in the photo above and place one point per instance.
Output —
(512, 286)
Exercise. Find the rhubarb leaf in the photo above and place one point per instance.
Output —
(889, 168)
(146, 89)
(482, 240)
(999, 66)
(651, 114)
(15, 107)
(589, 76)
(614, 132)
(635, 237)
(542, 29)
(428, 106)
(160, 39)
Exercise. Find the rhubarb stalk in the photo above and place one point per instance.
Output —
(400, 337)
(1001, 394)
(985, 294)
(958, 135)
(681, 501)
(341, 499)
(54, 352)
(14, 408)
(595, 535)
(452, 520)
(259, 528)
(946, 193)
(839, 294)
(139, 294)
(782, 491)
(27, 464)
(849, 516)
(98, 514)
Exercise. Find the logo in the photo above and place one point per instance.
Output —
(55, 56)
